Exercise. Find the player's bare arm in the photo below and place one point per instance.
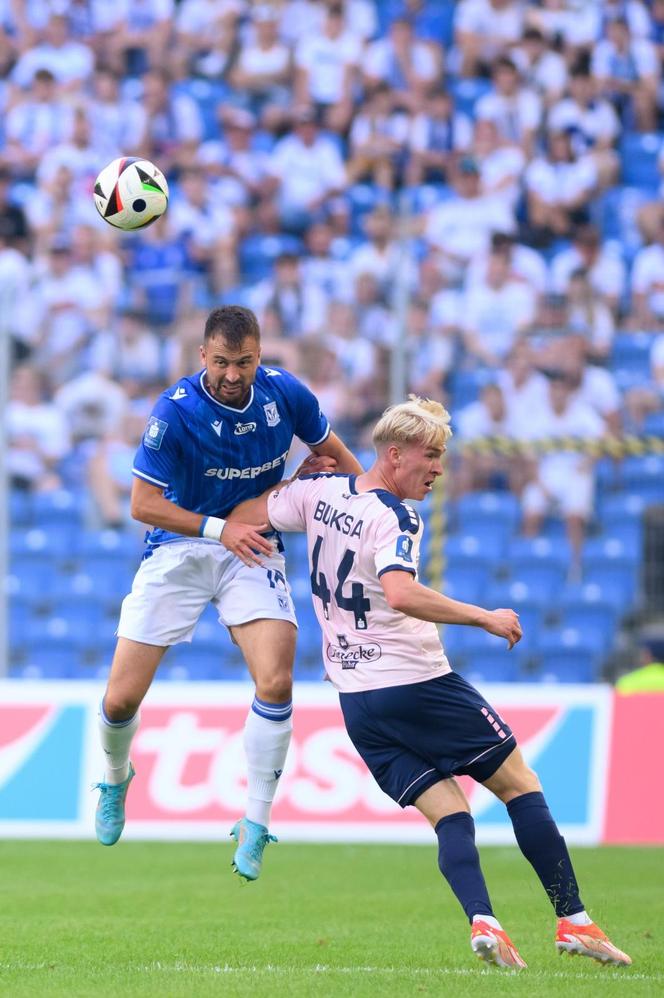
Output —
(405, 594)
(149, 506)
(345, 461)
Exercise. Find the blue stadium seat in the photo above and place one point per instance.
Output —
(615, 581)
(465, 584)
(57, 509)
(538, 550)
(553, 640)
(111, 577)
(487, 545)
(79, 622)
(595, 621)
(653, 424)
(57, 659)
(610, 549)
(638, 159)
(566, 666)
(31, 576)
(640, 472)
(628, 533)
(467, 92)
(626, 505)
(503, 506)
(54, 544)
(20, 508)
(544, 578)
(631, 352)
(120, 544)
(491, 667)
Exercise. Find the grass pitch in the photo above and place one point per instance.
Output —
(157, 919)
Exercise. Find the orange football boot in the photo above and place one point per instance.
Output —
(494, 946)
(588, 940)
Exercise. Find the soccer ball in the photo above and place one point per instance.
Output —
(131, 193)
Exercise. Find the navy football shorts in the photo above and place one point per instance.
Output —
(413, 736)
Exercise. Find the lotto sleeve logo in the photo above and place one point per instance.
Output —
(154, 433)
(404, 547)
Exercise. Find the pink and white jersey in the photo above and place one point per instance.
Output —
(352, 539)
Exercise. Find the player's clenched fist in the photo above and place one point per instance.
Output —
(504, 624)
(246, 542)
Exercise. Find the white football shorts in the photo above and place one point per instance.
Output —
(174, 585)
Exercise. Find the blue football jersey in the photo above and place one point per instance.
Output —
(208, 457)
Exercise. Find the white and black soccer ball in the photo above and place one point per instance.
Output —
(131, 193)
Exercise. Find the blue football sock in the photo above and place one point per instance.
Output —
(545, 849)
(459, 863)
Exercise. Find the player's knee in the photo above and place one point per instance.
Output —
(119, 706)
(276, 688)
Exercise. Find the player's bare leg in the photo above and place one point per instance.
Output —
(132, 671)
(268, 647)
(446, 808)
(541, 843)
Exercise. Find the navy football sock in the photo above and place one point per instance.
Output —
(459, 863)
(545, 849)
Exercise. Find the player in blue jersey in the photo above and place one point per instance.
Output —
(213, 440)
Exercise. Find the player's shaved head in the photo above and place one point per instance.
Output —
(415, 421)
(234, 323)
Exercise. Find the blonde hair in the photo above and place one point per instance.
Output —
(415, 421)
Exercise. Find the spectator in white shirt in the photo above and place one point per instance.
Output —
(489, 416)
(591, 121)
(564, 481)
(606, 270)
(327, 67)
(515, 109)
(118, 123)
(648, 283)
(381, 255)
(576, 25)
(306, 169)
(594, 386)
(541, 68)
(37, 434)
(358, 360)
(205, 31)
(483, 30)
(559, 188)
(430, 354)
(460, 227)
(174, 125)
(140, 35)
(239, 169)
(410, 67)
(262, 72)
(70, 62)
(378, 141)
(496, 313)
(628, 72)
(208, 227)
(322, 267)
(526, 264)
(35, 124)
(438, 133)
(501, 162)
(525, 388)
(77, 153)
(586, 315)
(299, 307)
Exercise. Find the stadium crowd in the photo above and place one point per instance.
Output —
(325, 157)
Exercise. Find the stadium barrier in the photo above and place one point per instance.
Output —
(595, 752)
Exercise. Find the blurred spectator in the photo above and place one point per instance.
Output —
(460, 227)
(410, 67)
(648, 676)
(515, 110)
(561, 415)
(206, 227)
(628, 73)
(377, 141)
(526, 264)
(574, 25)
(559, 189)
(321, 267)
(305, 169)
(174, 126)
(523, 386)
(320, 371)
(374, 319)
(301, 18)
(541, 68)
(205, 34)
(99, 257)
(657, 363)
(327, 67)
(501, 163)
(648, 282)
(118, 122)
(496, 312)
(17, 313)
(430, 352)
(37, 434)
(109, 472)
(590, 384)
(606, 270)
(358, 361)
(92, 404)
(129, 351)
(261, 73)
(437, 134)
(157, 268)
(591, 122)
(70, 62)
(238, 169)
(382, 256)
(483, 30)
(588, 316)
(300, 308)
(489, 416)
(36, 122)
(77, 154)
(13, 225)
(140, 35)
(635, 12)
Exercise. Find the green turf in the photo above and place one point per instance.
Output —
(172, 920)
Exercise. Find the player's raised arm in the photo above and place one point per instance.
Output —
(333, 447)
(405, 594)
(150, 506)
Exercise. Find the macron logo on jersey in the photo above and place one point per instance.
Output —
(272, 374)
(216, 426)
(178, 394)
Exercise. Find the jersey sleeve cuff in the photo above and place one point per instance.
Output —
(149, 478)
(315, 443)
(396, 568)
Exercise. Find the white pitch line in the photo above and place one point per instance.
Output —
(623, 974)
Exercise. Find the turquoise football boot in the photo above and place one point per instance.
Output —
(110, 815)
(251, 839)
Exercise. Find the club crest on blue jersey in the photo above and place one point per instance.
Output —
(404, 547)
(272, 414)
(154, 433)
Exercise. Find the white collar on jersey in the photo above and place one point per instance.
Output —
(230, 408)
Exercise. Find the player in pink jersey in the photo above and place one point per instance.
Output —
(415, 722)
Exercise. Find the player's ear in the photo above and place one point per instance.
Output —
(203, 353)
